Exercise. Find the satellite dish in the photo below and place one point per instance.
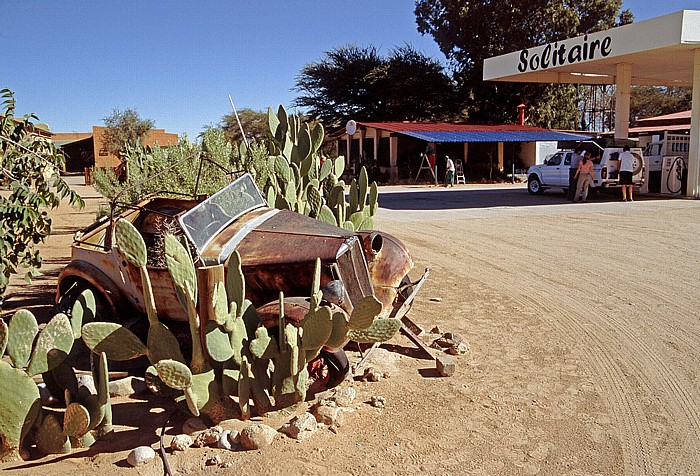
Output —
(351, 127)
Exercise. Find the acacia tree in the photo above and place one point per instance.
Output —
(649, 101)
(254, 124)
(124, 128)
(354, 82)
(30, 169)
(469, 31)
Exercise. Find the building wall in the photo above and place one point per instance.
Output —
(104, 159)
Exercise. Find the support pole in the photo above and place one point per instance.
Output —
(623, 84)
(694, 152)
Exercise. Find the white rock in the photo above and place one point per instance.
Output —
(378, 401)
(208, 437)
(141, 456)
(301, 426)
(127, 386)
(86, 380)
(214, 460)
(330, 416)
(228, 440)
(181, 442)
(344, 396)
(257, 436)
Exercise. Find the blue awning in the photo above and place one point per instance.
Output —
(494, 136)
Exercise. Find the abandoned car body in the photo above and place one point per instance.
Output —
(278, 250)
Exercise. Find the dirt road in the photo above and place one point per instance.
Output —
(584, 325)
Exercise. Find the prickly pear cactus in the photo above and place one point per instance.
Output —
(381, 330)
(19, 408)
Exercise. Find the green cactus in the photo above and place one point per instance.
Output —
(50, 438)
(364, 312)
(174, 374)
(19, 408)
(162, 344)
(118, 342)
(76, 420)
(83, 311)
(263, 347)
(52, 345)
(130, 243)
(381, 330)
(218, 342)
(339, 331)
(22, 330)
(316, 328)
(100, 375)
(244, 389)
(4, 334)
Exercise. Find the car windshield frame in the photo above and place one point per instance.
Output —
(206, 220)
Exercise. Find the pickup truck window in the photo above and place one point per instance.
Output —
(555, 160)
(567, 159)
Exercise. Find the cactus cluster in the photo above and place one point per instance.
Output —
(235, 358)
(301, 181)
(32, 352)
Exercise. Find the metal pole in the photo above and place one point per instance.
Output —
(235, 113)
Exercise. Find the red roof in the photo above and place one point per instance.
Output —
(667, 117)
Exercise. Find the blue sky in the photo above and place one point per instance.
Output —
(175, 62)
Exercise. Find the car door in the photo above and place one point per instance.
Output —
(564, 171)
(552, 169)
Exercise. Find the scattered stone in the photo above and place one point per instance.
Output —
(301, 426)
(435, 330)
(257, 436)
(331, 416)
(344, 396)
(86, 380)
(371, 375)
(208, 437)
(140, 456)
(227, 464)
(435, 299)
(444, 365)
(229, 440)
(451, 343)
(181, 442)
(378, 401)
(193, 425)
(127, 386)
(214, 461)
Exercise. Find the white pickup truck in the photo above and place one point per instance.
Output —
(554, 172)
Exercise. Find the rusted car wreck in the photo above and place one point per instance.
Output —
(278, 250)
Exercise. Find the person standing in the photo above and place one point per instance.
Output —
(450, 174)
(576, 158)
(584, 176)
(626, 172)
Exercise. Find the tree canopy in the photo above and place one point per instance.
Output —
(124, 128)
(29, 167)
(353, 82)
(649, 101)
(254, 124)
(469, 31)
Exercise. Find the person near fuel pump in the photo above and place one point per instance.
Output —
(576, 159)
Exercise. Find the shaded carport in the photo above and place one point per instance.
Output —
(662, 51)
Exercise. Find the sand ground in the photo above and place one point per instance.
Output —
(584, 329)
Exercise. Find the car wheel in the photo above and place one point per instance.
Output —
(534, 186)
(334, 365)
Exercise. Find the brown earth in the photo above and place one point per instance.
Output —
(585, 336)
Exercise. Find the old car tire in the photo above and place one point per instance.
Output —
(338, 366)
(534, 186)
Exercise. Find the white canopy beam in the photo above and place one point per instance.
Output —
(694, 153)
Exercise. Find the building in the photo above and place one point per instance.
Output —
(81, 147)
(397, 147)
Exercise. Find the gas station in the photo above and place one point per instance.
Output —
(661, 51)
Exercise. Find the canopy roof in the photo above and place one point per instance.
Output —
(448, 132)
(660, 51)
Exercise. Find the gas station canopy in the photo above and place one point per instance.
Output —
(662, 51)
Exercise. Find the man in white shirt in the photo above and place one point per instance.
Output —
(450, 175)
(626, 170)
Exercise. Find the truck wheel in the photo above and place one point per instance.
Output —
(332, 365)
(534, 186)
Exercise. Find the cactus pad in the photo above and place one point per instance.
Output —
(174, 374)
(84, 311)
(118, 342)
(21, 334)
(181, 270)
(381, 330)
(4, 334)
(339, 332)
(130, 243)
(52, 345)
(76, 420)
(263, 347)
(364, 313)
(316, 328)
(162, 344)
(218, 342)
(244, 389)
(19, 407)
(50, 438)
(235, 284)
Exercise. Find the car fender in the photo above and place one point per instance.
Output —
(79, 270)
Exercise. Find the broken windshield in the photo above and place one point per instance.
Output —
(208, 218)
